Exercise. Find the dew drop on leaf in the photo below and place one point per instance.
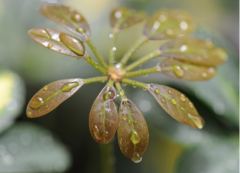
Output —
(173, 101)
(96, 133)
(50, 45)
(124, 116)
(182, 97)
(190, 104)
(157, 91)
(45, 88)
(135, 137)
(69, 86)
(163, 100)
(178, 71)
(76, 17)
(129, 122)
(36, 102)
(197, 121)
(169, 92)
(136, 157)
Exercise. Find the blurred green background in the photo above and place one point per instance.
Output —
(61, 141)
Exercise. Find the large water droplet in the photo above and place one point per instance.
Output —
(135, 137)
(50, 45)
(36, 102)
(190, 104)
(45, 88)
(163, 100)
(173, 101)
(169, 92)
(157, 91)
(96, 133)
(178, 71)
(100, 115)
(76, 17)
(67, 87)
(136, 158)
(124, 116)
(106, 134)
(129, 122)
(182, 97)
(81, 30)
(109, 95)
(196, 120)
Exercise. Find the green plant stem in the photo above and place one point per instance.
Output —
(97, 54)
(144, 59)
(95, 65)
(112, 51)
(132, 49)
(95, 79)
(107, 158)
(142, 72)
(119, 88)
(134, 83)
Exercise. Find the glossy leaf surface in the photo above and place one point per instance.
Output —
(58, 41)
(165, 24)
(132, 131)
(68, 18)
(122, 18)
(51, 96)
(176, 105)
(185, 71)
(103, 119)
(197, 51)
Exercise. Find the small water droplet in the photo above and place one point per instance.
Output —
(157, 91)
(50, 45)
(100, 115)
(136, 157)
(124, 116)
(183, 25)
(173, 101)
(67, 87)
(81, 30)
(190, 104)
(96, 133)
(162, 18)
(182, 97)
(107, 107)
(204, 74)
(109, 95)
(106, 134)
(43, 40)
(110, 35)
(135, 121)
(196, 120)
(114, 48)
(169, 92)
(163, 100)
(129, 122)
(121, 92)
(45, 88)
(114, 117)
(36, 102)
(211, 70)
(124, 84)
(110, 124)
(76, 17)
(178, 71)
(169, 31)
(135, 137)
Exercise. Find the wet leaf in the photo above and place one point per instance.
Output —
(58, 41)
(68, 18)
(103, 119)
(197, 51)
(122, 18)
(185, 71)
(176, 105)
(27, 147)
(51, 96)
(165, 24)
(132, 131)
(12, 97)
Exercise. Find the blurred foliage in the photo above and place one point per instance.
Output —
(212, 149)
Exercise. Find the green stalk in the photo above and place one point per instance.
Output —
(144, 59)
(132, 49)
(95, 79)
(112, 51)
(142, 72)
(97, 54)
(95, 65)
(134, 83)
(107, 162)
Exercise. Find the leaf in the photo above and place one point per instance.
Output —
(68, 18)
(196, 51)
(185, 71)
(221, 156)
(132, 131)
(12, 97)
(176, 105)
(51, 96)
(103, 118)
(31, 148)
(58, 41)
(123, 18)
(165, 24)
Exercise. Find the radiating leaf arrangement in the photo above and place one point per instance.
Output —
(185, 58)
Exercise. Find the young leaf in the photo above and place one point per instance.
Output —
(58, 41)
(176, 105)
(194, 50)
(122, 18)
(103, 119)
(132, 131)
(68, 18)
(185, 71)
(165, 24)
(51, 96)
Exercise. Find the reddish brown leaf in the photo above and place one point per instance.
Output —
(103, 119)
(132, 131)
(68, 18)
(51, 96)
(177, 105)
(185, 71)
(58, 41)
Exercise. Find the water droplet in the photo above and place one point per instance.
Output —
(173, 101)
(36, 102)
(182, 97)
(156, 25)
(157, 91)
(129, 122)
(211, 70)
(109, 95)
(106, 134)
(107, 106)
(50, 45)
(169, 92)
(135, 137)
(178, 71)
(118, 14)
(124, 116)
(110, 124)
(114, 48)
(43, 40)
(204, 74)
(100, 115)
(110, 35)
(45, 88)
(67, 87)
(135, 121)
(136, 157)
(96, 133)
(81, 30)
(183, 25)
(76, 17)
(197, 121)
(183, 48)
(163, 100)
(169, 31)
(190, 104)
(162, 18)
(137, 126)
(121, 92)
(124, 84)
